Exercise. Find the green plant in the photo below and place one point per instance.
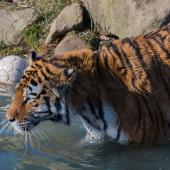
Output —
(91, 40)
(35, 34)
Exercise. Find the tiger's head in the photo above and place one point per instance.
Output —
(39, 95)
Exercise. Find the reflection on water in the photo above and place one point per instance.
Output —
(62, 149)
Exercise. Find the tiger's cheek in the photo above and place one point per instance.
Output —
(32, 90)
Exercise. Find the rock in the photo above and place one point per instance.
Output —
(70, 18)
(15, 20)
(11, 69)
(7, 90)
(70, 42)
(127, 17)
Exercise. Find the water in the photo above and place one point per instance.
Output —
(66, 151)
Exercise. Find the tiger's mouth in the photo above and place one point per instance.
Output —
(24, 126)
(32, 122)
(28, 126)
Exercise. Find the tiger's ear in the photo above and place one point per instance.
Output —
(33, 57)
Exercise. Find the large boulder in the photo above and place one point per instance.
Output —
(69, 43)
(13, 21)
(70, 18)
(127, 17)
(11, 69)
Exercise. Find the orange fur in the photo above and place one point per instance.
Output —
(131, 74)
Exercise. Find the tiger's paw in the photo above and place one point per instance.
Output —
(94, 138)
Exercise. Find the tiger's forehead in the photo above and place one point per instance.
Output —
(29, 74)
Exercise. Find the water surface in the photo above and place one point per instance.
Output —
(61, 148)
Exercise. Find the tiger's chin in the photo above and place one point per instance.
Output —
(31, 123)
(23, 127)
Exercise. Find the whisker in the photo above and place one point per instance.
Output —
(25, 142)
(2, 130)
(34, 134)
(36, 131)
(20, 137)
(30, 139)
(43, 133)
(3, 122)
(2, 115)
(41, 136)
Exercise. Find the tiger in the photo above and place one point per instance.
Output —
(121, 91)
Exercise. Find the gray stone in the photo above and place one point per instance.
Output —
(11, 69)
(7, 90)
(69, 43)
(70, 18)
(13, 21)
(127, 17)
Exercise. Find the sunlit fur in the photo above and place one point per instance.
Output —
(131, 77)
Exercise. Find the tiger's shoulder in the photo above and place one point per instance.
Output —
(128, 59)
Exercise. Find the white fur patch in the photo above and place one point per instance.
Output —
(35, 89)
(92, 133)
(111, 118)
(16, 127)
(53, 108)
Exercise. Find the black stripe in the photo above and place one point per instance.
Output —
(89, 122)
(118, 133)
(92, 108)
(114, 74)
(49, 71)
(128, 41)
(67, 114)
(135, 46)
(43, 112)
(30, 88)
(162, 37)
(58, 104)
(158, 69)
(150, 116)
(43, 92)
(98, 69)
(141, 120)
(23, 77)
(26, 100)
(34, 94)
(101, 114)
(161, 115)
(39, 66)
(130, 67)
(115, 50)
(39, 80)
(161, 46)
(106, 60)
(47, 101)
(148, 108)
(33, 82)
(32, 66)
(27, 71)
(44, 75)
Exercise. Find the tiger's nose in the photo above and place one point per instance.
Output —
(10, 117)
